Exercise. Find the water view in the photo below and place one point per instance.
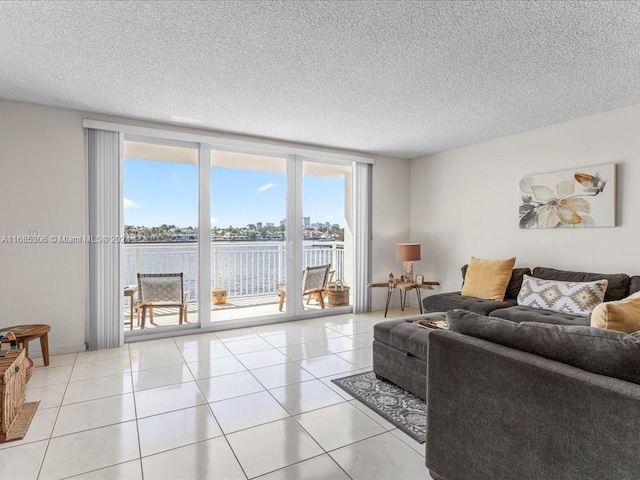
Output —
(242, 268)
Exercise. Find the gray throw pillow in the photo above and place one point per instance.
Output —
(617, 289)
(605, 352)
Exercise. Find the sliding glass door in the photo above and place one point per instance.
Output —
(248, 233)
(254, 236)
(327, 235)
(160, 203)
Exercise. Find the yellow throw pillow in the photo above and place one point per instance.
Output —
(622, 316)
(488, 279)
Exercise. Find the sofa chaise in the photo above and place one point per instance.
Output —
(510, 400)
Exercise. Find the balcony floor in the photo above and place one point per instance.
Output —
(235, 308)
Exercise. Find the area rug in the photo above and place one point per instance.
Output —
(403, 409)
(21, 423)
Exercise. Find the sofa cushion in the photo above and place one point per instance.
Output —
(605, 352)
(488, 278)
(514, 283)
(634, 284)
(520, 313)
(442, 302)
(574, 298)
(621, 315)
(617, 289)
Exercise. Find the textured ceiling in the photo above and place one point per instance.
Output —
(394, 78)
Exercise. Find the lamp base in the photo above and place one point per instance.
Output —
(407, 271)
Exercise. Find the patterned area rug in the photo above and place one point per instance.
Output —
(403, 409)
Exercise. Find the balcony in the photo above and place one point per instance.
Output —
(249, 271)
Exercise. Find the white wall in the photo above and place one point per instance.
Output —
(43, 189)
(390, 224)
(43, 186)
(465, 201)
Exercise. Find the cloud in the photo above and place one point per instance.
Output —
(214, 220)
(128, 203)
(264, 188)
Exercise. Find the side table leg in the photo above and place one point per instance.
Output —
(419, 299)
(386, 308)
(44, 346)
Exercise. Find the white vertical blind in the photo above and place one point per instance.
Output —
(106, 328)
(294, 235)
(362, 238)
(204, 240)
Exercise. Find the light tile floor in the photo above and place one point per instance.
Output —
(239, 404)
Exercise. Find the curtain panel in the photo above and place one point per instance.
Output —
(362, 241)
(105, 326)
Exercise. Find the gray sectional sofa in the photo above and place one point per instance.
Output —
(400, 348)
(510, 400)
(515, 392)
(620, 286)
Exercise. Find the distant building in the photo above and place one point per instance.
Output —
(306, 222)
(259, 225)
(269, 224)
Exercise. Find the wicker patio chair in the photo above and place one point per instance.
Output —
(314, 281)
(161, 290)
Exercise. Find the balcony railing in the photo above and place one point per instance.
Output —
(242, 268)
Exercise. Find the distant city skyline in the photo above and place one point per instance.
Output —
(157, 193)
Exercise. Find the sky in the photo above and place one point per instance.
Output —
(157, 193)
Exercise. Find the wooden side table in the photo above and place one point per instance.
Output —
(25, 333)
(403, 287)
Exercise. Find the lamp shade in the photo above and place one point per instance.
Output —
(408, 252)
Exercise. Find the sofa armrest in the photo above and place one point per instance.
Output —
(494, 412)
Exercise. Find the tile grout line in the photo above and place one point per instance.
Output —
(135, 410)
(46, 450)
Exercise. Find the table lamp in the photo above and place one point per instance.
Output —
(408, 253)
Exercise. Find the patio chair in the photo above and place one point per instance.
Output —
(324, 293)
(314, 281)
(161, 290)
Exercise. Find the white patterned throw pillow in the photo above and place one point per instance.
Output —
(574, 298)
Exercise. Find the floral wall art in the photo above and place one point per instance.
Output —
(581, 197)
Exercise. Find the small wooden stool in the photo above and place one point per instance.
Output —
(25, 333)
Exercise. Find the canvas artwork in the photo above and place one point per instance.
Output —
(580, 197)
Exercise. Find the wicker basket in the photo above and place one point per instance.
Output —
(10, 337)
(13, 379)
(28, 367)
(338, 295)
